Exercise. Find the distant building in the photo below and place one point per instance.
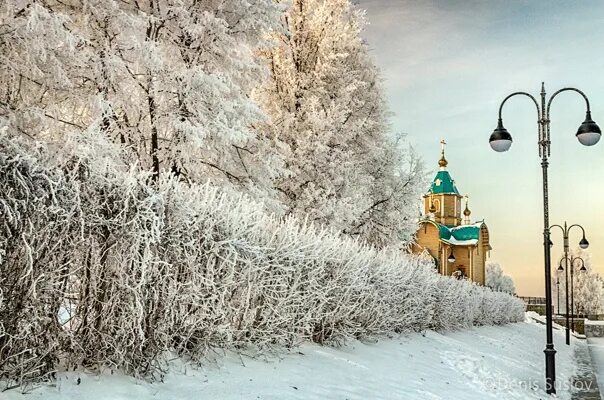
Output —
(459, 247)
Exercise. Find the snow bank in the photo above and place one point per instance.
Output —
(100, 268)
(503, 362)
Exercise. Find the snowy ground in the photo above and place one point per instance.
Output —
(484, 363)
(596, 349)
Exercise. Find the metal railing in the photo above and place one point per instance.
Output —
(533, 300)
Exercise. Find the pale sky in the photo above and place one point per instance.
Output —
(447, 65)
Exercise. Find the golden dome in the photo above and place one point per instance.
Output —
(443, 162)
(467, 211)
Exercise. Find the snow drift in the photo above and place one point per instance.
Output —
(102, 267)
(488, 362)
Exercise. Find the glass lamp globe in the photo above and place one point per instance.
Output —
(589, 132)
(500, 139)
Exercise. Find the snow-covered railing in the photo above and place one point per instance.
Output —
(594, 328)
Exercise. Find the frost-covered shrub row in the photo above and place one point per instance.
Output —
(101, 269)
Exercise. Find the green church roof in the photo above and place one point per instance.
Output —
(443, 183)
(444, 232)
(466, 232)
(460, 235)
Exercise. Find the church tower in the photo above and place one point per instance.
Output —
(443, 200)
(458, 246)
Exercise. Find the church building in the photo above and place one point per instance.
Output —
(458, 246)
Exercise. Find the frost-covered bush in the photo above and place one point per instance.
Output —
(100, 268)
(38, 218)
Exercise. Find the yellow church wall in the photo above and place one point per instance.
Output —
(482, 250)
(448, 208)
(462, 260)
(479, 261)
(428, 238)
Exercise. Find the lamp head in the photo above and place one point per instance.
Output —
(589, 132)
(583, 243)
(500, 139)
(583, 269)
(451, 258)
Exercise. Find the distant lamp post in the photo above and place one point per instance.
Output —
(558, 289)
(584, 244)
(571, 261)
(588, 134)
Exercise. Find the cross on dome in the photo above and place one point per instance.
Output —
(443, 161)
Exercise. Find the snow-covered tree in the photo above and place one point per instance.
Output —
(497, 280)
(169, 80)
(113, 253)
(587, 286)
(587, 289)
(37, 57)
(329, 121)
